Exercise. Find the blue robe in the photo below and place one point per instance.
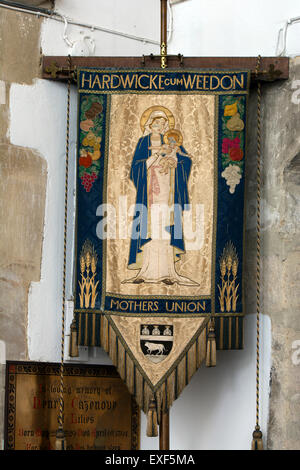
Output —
(138, 175)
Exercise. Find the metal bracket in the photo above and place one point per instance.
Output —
(270, 75)
(153, 57)
(54, 69)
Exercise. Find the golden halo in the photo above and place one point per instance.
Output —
(147, 112)
(173, 132)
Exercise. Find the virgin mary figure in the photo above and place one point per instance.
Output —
(160, 174)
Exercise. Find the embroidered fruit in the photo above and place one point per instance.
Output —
(95, 109)
(232, 175)
(96, 143)
(235, 123)
(235, 154)
(91, 141)
(86, 125)
(96, 155)
(230, 109)
(86, 160)
(229, 143)
(87, 181)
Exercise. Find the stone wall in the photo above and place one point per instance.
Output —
(22, 192)
(280, 248)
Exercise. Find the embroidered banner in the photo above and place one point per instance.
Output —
(159, 231)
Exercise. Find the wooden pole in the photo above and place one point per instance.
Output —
(163, 33)
(163, 21)
(164, 434)
(164, 431)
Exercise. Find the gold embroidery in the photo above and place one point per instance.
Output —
(88, 271)
(195, 117)
(228, 289)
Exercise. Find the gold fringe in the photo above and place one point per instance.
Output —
(112, 346)
(121, 360)
(152, 403)
(104, 333)
(181, 376)
(170, 390)
(202, 341)
(130, 374)
(161, 399)
(73, 346)
(192, 363)
(198, 352)
(139, 389)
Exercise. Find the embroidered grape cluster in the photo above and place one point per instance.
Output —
(87, 180)
(232, 175)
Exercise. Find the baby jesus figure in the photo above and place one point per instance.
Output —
(170, 149)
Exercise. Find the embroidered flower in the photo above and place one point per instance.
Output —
(232, 175)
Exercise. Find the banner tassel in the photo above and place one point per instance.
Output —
(73, 352)
(211, 349)
(152, 429)
(60, 443)
(257, 442)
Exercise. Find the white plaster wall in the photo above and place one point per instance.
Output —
(217, 409)
(38, 120)
(233, 28)
(136, 17)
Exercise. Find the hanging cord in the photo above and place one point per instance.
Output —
(257, 434)
(60, 435)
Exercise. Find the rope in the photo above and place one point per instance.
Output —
(258, 198)
(61, 402)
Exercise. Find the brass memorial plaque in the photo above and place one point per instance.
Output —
(99, 412)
